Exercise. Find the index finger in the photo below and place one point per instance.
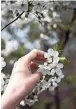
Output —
(33, 55)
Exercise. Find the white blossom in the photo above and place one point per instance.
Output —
(58, 80)
(22, 103)
(52, 8)
(51, 88)
(52, 67)
(59, 65)
(55, 14)
(54, 25)
(3, 63)
(2, 81)
(52, 72)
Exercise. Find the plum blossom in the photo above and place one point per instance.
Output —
(3, 63)
(4, 78)
(52, 67)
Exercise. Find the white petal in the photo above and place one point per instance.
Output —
(52, 65)
(41, 66)
(2, 59)
(55, 59)
(43, 71)
(59, 72)
(46, 55)
(47, 68)
(2, 82)
(52, 72)
(45, 63)
(52, 53)
(3, 64)
(56, 53)
(61, 76)
(22, 103)
(55, 84)
(3, 75)
(52, 79)
(49, 60)
(50, 50)
(45, 84)
(60, 65)
(51, 88)
(48, 72)
(58, 80)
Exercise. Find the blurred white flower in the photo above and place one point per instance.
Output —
(43, 36)
(54, 25)
(51, 88)
(52, 8)
(58, 80)
(59, 65)
(52, 72)
(55, 14)
(47, 18)
(30, 100)
(45, 84)
(22, 103)
(3, 63)
(2, 81)
(4, 78)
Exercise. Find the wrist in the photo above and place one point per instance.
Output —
(9, 100)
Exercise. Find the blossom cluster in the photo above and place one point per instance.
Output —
(52, 69)
(3, 76)
(52, 75)
(31, 10)
(3, 63)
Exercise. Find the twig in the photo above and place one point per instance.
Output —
(12, 21)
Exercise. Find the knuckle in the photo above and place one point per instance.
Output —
(20, 59)
(15, 63)
(34, 50)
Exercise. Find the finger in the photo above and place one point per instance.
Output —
(33, 55)
(40, 58)
(33, 65)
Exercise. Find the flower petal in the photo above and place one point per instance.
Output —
(60, 65)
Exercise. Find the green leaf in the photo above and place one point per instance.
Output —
(63, 60)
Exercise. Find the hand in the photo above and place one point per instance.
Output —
(22, 80)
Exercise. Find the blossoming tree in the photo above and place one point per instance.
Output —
(41, 25)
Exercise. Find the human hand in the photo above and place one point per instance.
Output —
(22, 80)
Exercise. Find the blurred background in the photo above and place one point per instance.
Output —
(44, 27)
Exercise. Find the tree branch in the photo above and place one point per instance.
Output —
(12, 21)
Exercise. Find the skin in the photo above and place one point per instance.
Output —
(22, 80)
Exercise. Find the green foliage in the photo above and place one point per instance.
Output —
(63, 60)
(16, 54)
(3, 44)
(34, 32)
